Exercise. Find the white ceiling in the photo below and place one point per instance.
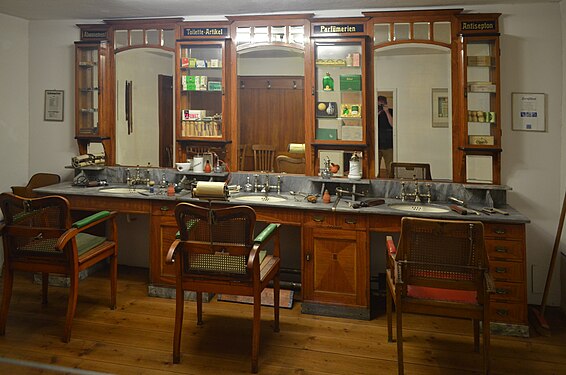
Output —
(107, 9)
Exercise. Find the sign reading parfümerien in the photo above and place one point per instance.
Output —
(338, 29)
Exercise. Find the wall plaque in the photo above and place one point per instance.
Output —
(209, 32)
(356, 28)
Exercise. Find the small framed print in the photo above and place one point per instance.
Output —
(53, 107)
(529, 111)
(440, 111)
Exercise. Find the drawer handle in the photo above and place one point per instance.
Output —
(502, 291)
(499, 231)
(350, 220)
(501, 269)
(318, 219)
(164, 208)
(502, 312)
(500, 249)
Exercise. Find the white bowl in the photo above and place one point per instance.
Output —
(183, 167)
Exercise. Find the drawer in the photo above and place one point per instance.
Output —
(163, 208)
(507, 271)
(508, 231)
(342, 221)
(503, 249)
(512, 292)
(122, 205)
(508, 312)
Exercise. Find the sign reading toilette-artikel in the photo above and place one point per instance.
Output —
(210, 32)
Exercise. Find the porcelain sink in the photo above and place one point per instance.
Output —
(118, 190)
(418, 207)
(259, 198)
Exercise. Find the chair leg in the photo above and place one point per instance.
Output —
(179, 309)
(476, 323)
(399, 323)
(199, 308)
(113, 280)
(256, 330)
(388, 309)
(486, 342)
(72, 305)
(276, 303)
(6, 296)
(44, 287)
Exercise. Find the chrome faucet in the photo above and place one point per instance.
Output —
(256, 179)
(341, 192)
(416, 194)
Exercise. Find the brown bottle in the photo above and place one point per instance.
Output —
(326, 196)
(207, 167)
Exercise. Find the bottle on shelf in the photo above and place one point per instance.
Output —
(327, 83)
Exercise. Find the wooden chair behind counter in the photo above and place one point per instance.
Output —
(38, 236)
(264, 157)
(287, 164)
(36, 181)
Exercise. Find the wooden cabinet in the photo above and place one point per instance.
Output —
(480, 138)
(163, 231)
(92, 103)
(335, 265)
(201, 87)
(505, 245)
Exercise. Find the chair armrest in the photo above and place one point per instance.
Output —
(82, 225)
(170, 258)
(20, 190)
(489, 283)
(260, 241)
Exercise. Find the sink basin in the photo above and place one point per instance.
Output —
(416, 207)
(259, 198)
(118, 190)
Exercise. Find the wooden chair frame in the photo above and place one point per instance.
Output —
(251, 282)
(31, 245)
(37, 180)
(432, 255)
(264, 157)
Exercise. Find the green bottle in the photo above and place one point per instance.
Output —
(327, 83)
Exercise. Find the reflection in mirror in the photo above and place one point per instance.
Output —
(148, 138)
(416, 80)
(270, 100)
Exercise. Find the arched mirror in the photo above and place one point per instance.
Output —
(270, 104)
(144, 107)
(413, 84)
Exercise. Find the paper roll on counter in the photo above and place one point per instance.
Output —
(297, 148)
(211, 190)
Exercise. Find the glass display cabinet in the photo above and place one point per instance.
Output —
(339, 92)
(201, 87)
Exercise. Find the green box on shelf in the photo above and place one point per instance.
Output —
(214, 86)
(326, 134)
(350, 82)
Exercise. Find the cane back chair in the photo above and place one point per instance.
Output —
(217, 253)
(440, 267)
(38, 236)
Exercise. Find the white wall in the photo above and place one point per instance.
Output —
(531, 45)
(14, 102)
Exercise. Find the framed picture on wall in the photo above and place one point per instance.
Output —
(53, 107)
(529, 111)
(440, 111)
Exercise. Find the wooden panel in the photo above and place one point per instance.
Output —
(508, 292)
(278, 215)
(272, 116)
(508, 312)
(163, 208)
(319, 219)
(163, 230)
(503, 249)
(509, 231)
(351, 221)
(507, 271)
(124, 205)
(383, 223)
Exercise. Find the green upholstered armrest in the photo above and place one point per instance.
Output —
(266, 232)
(90, 219)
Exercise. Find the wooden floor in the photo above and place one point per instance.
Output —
(137, 338)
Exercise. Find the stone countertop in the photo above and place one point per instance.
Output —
(292, 202)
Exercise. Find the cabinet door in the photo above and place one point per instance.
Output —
(89, 61)
(201, 94)
(340, 91)
(335, 266)
(163, 230)
(482, 109)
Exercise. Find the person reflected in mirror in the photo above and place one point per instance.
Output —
(384, 134)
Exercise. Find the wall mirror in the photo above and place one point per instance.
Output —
(144, 107)
(415, 79)
(270, 93)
